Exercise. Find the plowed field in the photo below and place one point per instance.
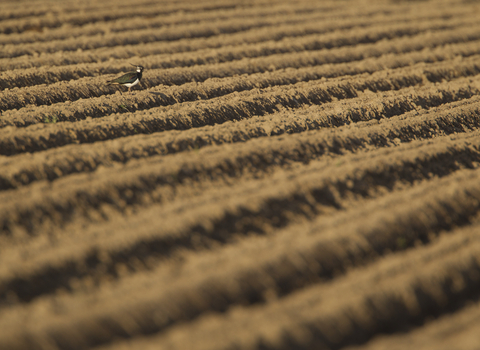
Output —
(287, 175)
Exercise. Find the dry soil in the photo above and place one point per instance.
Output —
(288, 175)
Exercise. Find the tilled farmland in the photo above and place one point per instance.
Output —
(287, 175)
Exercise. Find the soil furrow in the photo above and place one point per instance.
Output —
(344, 313)
(105, 15)
(244, 214)
(443, 333)
(306, 43)
(142, 181)
(32, 77)
(157, 21)
(258, 35)
(236, 106)
(287, 175)
(186, 303)
(24, 168)
(94, 87)
(43, 8)
(311, 22)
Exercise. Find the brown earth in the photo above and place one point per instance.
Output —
(288, 175)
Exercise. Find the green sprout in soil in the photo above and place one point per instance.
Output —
(52, 119)
(401, 243)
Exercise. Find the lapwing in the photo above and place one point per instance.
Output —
(130, 79)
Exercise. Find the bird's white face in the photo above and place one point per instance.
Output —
(139, 69)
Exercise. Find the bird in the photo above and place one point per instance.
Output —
(130, 79)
